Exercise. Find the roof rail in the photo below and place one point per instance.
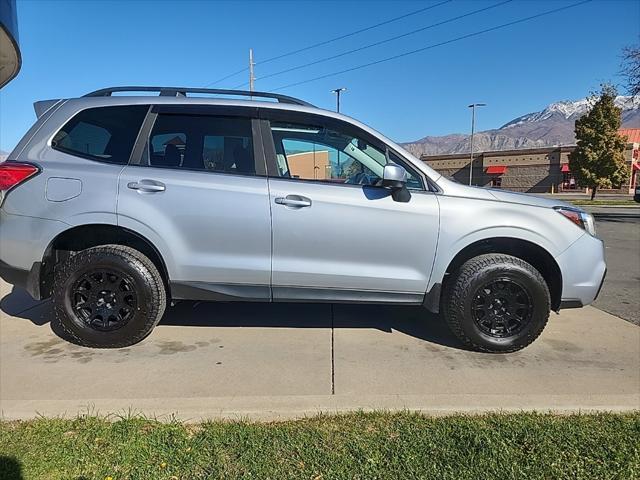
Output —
(182, 92)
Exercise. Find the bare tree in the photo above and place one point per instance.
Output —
(630, 69)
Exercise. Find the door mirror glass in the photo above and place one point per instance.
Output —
(394, 176)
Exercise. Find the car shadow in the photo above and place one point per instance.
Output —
(10, 468)
(410, 320)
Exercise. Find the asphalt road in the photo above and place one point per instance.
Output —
(620, 294)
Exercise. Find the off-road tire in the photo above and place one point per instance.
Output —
(136, 269)
(463, 285)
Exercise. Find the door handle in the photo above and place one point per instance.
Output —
(297, 201)
(147, 186)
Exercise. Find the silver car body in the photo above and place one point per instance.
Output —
(226, 237)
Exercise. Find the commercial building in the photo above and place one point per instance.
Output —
(535, 170)
(314, 165)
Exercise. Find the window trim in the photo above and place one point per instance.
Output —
(93, 158)
(269, 115)
(140, 158)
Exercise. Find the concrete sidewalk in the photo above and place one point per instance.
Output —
(270, 361)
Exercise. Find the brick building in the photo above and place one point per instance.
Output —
(310, 165)
(537, 170)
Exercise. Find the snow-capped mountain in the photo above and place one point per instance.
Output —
(550, 127)
(569, 109)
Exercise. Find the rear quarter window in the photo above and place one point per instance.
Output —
(104, 134)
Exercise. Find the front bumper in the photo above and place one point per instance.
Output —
(578, 303)
(583, 270)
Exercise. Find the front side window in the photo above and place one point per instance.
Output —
(105, 134)
(309, 152)
(202, 142)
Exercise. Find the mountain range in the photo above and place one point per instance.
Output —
(552, 126)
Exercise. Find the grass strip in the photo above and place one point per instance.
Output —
(604, 203)
(352, 446)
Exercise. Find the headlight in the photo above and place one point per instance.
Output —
(581, 218)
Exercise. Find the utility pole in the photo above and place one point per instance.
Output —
(338, 91)
(473, 125)
(252, 77)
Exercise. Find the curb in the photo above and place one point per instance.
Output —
(615, 215)
(291, 407)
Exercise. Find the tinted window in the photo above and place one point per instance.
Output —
(106, 134)
(200, 142)
(317, 153)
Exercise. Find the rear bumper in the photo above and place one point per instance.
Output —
(583, 269)
(13, 275)
(23, 242)
(27, 279)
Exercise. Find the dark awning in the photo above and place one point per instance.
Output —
(497, 169)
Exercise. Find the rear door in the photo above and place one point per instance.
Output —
(197, 189)
(337, 234)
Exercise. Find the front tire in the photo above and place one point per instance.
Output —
(108, 296)
(496, 303)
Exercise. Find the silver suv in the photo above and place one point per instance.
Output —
(116, 205)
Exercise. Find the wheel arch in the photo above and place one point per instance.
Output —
(528, 251)
(92, 235)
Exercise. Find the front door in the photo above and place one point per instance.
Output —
(198, 194)
(337, 234)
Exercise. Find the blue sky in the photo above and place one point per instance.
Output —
(72, 47)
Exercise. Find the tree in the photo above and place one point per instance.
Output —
(598, 160)
(631, 69)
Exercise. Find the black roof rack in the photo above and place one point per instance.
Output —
(182, 92)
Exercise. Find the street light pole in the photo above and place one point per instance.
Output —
(338, 91)
(473, 126)
(252, 77)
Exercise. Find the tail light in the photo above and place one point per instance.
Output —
(14, 173)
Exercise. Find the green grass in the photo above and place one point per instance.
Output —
(626, 202)
(354, 446)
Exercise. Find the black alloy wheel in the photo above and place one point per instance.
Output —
(104, 299)
(502, 308)
(108, 296)
(496, 303)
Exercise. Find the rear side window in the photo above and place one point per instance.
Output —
(105, 134)
(202, 142)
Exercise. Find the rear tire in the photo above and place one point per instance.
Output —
(496, 303)
(108, 296)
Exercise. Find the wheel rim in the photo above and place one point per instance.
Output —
(502, 308)
(104, 299)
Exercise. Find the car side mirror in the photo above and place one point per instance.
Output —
(394, 176)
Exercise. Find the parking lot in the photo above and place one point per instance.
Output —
(286, 360)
